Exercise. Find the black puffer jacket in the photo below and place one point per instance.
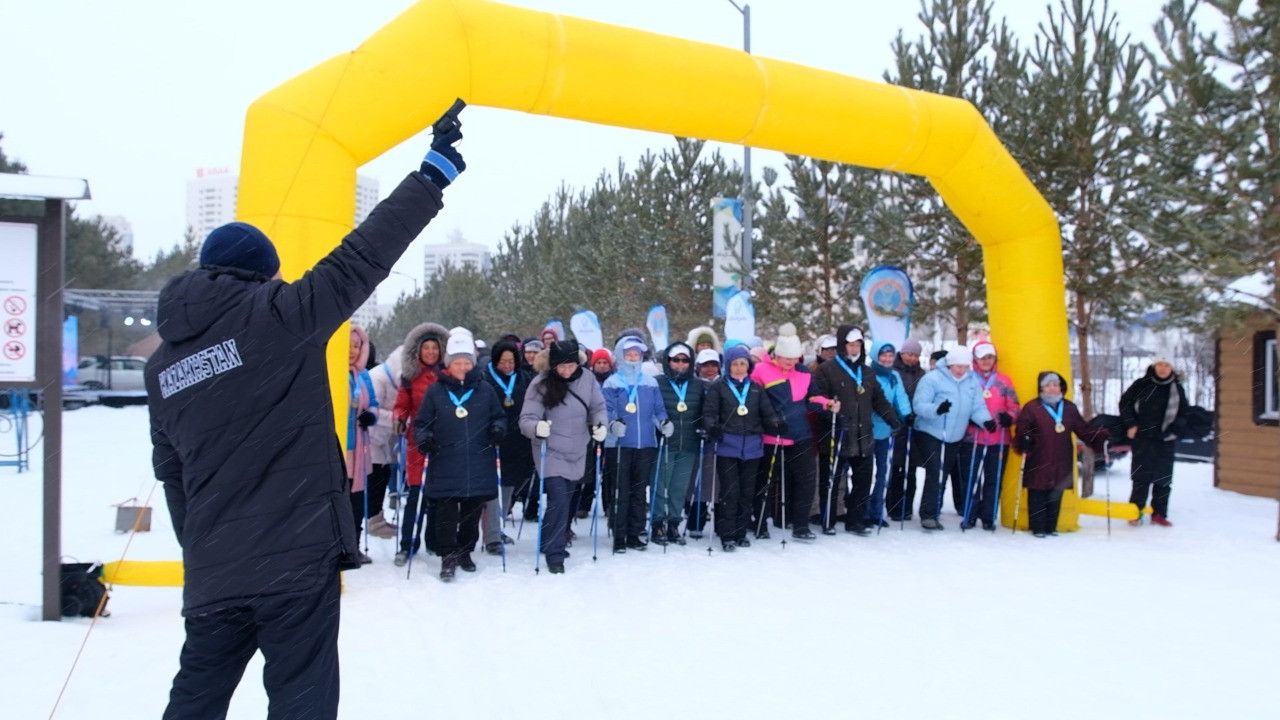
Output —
(911, 375)
(517, 459)
(857, 401)
(460, 455)
(1144, 404)
(242, 421)
(688, 423)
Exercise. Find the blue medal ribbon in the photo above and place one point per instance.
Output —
(507, 387)
(1057, 416)
(681, 391)
(742, 396)
(857, 377)
(458, 401)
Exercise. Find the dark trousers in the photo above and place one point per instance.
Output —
(410, 522)
(989, 461)
(555, 521)
(586, 495)
(632, 472)
(823, 446)
(854, 473)
(735, 484)
(298, 637)
(1151, 468)
(798, 462)
(702, 492)
(376, 486)
(900, 497)
(456, 524)
(956, 458)
(1043, 507)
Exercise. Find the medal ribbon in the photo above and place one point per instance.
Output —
(857, 377)
(457, 402)
(988, 382)
(507, 387)
(742, 396)
(1057, 417)
(633, 390)
(680, 391)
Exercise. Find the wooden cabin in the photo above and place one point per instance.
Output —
(1248, 408)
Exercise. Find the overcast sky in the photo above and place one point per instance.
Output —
(135, 96)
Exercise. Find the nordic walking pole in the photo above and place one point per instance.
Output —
(497, 463)
(697, 487)
(596, 503)
(831, 472)
(768, 482)
(906, 470)
(542, 506)
(1106, 470)
(968, 485)
(942, 469)
(653, 491)
(782, 475)
(400, 473)
(1017, 500)
(995, 510)
(888, 477)
(713, 513)
(527, 488)
(419, 520)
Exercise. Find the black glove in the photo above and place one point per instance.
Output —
(910, 420)
(496, 433)
(989, 426)
(778, 427)
(443, 162)
(427, 445)
(1025, 444)
(1006, 420)
(944, 407)
(715, 433)
(366, 418)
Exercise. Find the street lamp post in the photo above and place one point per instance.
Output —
(416, 290)
(748, 204)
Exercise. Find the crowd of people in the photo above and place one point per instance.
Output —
(673, 438)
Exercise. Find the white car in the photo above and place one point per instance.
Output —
(125, 373)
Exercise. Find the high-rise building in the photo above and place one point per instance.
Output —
(456, 253)
(211, 199)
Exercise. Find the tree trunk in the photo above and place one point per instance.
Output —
(1086, 377)
(962, 309)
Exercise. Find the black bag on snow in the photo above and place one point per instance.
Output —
(82, 590)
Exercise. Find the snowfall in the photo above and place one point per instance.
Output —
(1144, 622)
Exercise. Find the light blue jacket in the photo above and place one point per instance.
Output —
(967, 404)
(897, 394)
(651, 412)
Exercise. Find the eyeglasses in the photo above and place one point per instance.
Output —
(681, 360)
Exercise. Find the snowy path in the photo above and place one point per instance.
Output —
(1177, 623)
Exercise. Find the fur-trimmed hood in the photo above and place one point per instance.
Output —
(705, 330)
(412, 346)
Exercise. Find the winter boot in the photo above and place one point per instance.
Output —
(555, 568)
(659, 536)
(673, 533)
(365, 559)
(857, 528)
(742, 542)
(829, 530)
(635, 543)
(1136, 522)
(804, 535)
(1161, 520)
(931, 524)
(446, 569)
(466, 563)
(402, 557)
(728, 546)
(380, 528)
(493, 548)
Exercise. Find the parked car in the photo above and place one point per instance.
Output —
(124, 372)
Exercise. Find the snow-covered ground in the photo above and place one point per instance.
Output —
(1153, 622)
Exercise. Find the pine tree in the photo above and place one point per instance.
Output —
(169, 263)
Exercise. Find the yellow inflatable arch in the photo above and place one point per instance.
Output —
(304, 140)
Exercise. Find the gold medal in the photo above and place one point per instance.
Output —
(742, 410)
(681, 407)
(861, 389)
(1060, 428)
(632, 407)
(986, 394)
(461, 412)
(507, 401)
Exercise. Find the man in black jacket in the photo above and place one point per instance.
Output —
(243, 440)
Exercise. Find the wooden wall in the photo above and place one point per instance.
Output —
(1248, 452)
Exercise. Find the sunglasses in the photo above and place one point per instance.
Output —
(681, 360)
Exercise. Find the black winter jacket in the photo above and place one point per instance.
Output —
(460, 451)
(517, 459)
(242, 421)
(911, 375)
(855, 407)
(1143, 406)
(688, 423)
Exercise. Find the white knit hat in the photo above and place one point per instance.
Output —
(461, 344)
(788, 344)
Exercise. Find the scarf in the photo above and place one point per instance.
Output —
(1170, 408)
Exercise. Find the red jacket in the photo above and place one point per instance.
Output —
(1003, 398)
(408, 400)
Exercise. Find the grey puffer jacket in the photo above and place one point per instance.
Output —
(571, 420)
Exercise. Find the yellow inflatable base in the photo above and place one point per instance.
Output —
(146, 573)
(1119, 510)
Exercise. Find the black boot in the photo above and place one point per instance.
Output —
(466, 563)
(728, 546)
(673, 532)
(659, 536)
(446, 569)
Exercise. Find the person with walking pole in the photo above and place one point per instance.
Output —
(683, 393)
(1002, 403)
(420, 368)
(246, 481)
(828, 522)
(735, 416)
(858, 396)
(894, 388)
(503, 373)
(901, 494)
(1043, 437)
(946, 401)
(563, 409)
(636, 415)
(596, 503)
(459, 426)
(966, 518)
(793, 394)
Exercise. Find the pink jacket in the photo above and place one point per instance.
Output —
(800, 383)
(1000, 397)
